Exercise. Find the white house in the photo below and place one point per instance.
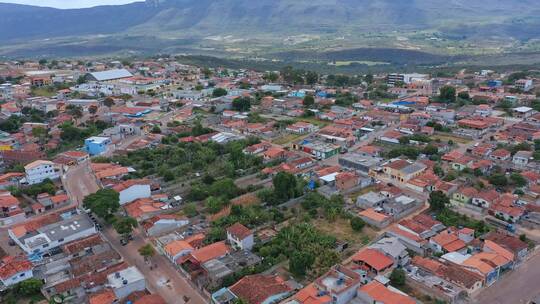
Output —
(164, 223)
(240, 236)
(177, 249)
(126, 282)
(53, 235)
(40, 170)
(15, 269)
(133, 189)
(521, 158)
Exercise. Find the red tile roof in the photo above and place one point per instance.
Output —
(255, 289)
(239, 231)
(374, 258)
(11, 265)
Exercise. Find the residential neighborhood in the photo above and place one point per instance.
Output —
(153, 181)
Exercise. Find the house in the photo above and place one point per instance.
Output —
(448, 241)
(524, 84)
(521, 158)
(301, 127)
(202, 255)
(509, 242)
(240, 237)
(403, 170)
(109, 76)
(391, 136)
(523, 112)
(150, 299)
(370, 200)
(38, 237)
(10, 211)
(144, 208)
(500, 155)
(392, 247)
(347, 181)
(274, 153)
(133, 189)
(77, 156)
(375, 218)
(97, 145)
(444, 272)
(105, 296)
(14, 269)
(177, 249)
(374, 261)
(375, 292)
(126, 282)
(487, 264)
(485, 198)
(163, 223)
(260, 289)
(40, 170)
(339, 285)
(359, 162)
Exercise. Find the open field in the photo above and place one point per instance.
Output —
(452, 138)
(342, 230)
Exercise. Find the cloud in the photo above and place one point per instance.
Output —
(70, 3)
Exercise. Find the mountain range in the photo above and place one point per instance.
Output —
(192, 18)
(180, 25)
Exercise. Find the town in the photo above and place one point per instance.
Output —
(150, 181)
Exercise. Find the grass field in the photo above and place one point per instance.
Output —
(452, 138)
(43, 92)
(342, 230)
(283, 140)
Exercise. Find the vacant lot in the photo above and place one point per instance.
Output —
(342, 230)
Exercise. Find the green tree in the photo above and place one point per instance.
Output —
(215, 204)
(29, 287)
(147, 251)
(125, 225)
(242, 104)
(285, 186)
(312, 78)
(300, 262)
(155, 130)
(404, 140)
(218, 92)
(357, 224)
(464, 95)
(104, 203)
(498, 179)
(518, 180)
(190, 210)
(308, 101)
(271, 77)
(430, 150)
(438, 201)
(397, 277)
(447, 94)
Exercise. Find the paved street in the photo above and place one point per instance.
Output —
(517, 287)
(79, 182)
(156, 279)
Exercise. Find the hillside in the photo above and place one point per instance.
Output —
(270, 17)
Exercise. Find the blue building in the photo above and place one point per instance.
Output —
(96, 145)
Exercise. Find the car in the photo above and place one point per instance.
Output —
(123, 242)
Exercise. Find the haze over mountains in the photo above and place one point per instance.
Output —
(188, 18)
(255, 28)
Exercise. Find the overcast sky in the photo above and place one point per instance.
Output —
(70, 3)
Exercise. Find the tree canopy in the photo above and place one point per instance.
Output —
(104, 203)
(438, 201)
